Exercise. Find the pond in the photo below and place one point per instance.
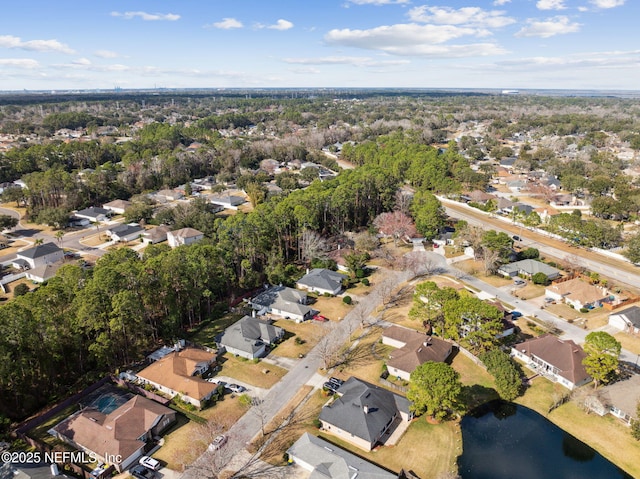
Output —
(506, 441)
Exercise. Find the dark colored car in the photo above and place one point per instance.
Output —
(329, 386)
(141, 472)
(336, 381)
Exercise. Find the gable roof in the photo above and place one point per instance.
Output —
(186, 233)
(118, 204)
(115, 433)
(323, 279)
(39, 251)
(630, 315)
(530, 266)
(248, 334)
(418, 349)
(282, 298)
(175, 370)
(565, 355)
(577, 290)
(348, 411)
(126, 230)
(332, 462)
(93, 212)
(159, 233)
(46, 271)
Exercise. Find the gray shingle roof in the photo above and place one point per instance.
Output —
(631, 314)
(282, 298)
(530, 266)
(332, 462)
(39, 251)
(322, 279)
(348, 411)
(249, 333)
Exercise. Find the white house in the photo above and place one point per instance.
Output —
(183, 236)
(125, 232)
(38, 255)
(322, 281)
(626, 320)
(94, 214)
(44, 272)
(117, 206)
(578, 293)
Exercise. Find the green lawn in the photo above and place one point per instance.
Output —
(40, 432)
(259, 374)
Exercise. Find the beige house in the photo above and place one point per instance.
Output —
(178, 374)
(578, 293)
(413, 349)
(117, 438)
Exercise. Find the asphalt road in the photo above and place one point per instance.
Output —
(591, 260)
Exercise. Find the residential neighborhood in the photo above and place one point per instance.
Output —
(218, 289)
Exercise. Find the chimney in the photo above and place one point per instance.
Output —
(307, 270)
(365, 408)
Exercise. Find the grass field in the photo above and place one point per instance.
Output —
(332, 308)
(259, 374)
(40, 432)
(206, 332)
(629, 342)
(309, 332)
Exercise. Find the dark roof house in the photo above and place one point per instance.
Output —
(248, 337)
(363, 413)
(321, 280)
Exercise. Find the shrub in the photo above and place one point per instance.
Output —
(256, 360)
(299, 340)
(317, 423)
(20, 290)
(360, 273)
(540, 278)
(365, 281)
(347, 300)
(584, 310)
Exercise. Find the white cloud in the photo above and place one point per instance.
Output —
(344, 60)
(608, 3)
(593, 60)
(19, 62)
(472, 16)
(149, 17)
(548, 28)
(378, 2)
(106, 54)
(9, 41)
(226, 24)
(551, 5)
(281, 24)
(499, 3)
(82, 61)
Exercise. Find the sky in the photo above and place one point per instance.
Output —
(504, 44)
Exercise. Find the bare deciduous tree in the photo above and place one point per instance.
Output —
(419, 263)
(396, 224)
(312, 246)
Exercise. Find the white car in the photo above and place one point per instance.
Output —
(149, 462)
(218, 442)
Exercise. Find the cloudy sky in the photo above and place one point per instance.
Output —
(575, 44)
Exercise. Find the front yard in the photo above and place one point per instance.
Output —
(301, 337)
(332, 308)
(258, 374)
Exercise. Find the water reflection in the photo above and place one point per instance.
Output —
(505, 441)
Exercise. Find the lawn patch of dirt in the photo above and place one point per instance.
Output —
(630, 342)
(332, 308)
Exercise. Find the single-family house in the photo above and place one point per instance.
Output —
(227, 201)
(125, 232)
(478, 196)
(338, 256)
(578, 293)
(364, 414)
(504, 206)
(322, 281)
(444, 239)
(156, 235)
(546, 212)
(250, 337)
(121, 434)
(178, 374)
(169, 195)
(627, 320)
(44, 272)
(619, 399)
(326, 460)
(561, 200)
(282, 301)
(413, 349)
(556, 359)
(38, 255)
(94, 214)
(184, 236)
(516, 185)
(529, 267)
(117, 206)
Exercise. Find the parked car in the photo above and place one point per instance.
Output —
(319, 317)
(236, 388)
(516, 314)
(141, 472)
(516, 238)
(331, 387)
(336, 381)
(549, 300)
(149, 462)
(218, 442)
(519, 282)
